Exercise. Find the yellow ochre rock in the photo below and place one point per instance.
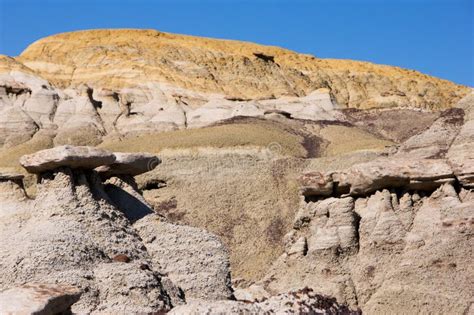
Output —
(118, 59)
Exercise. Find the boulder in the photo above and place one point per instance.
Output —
(253, 293)
(66, 156)
(132, 164)
(316, 184)
(37, 298)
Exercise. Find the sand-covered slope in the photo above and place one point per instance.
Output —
(126, 58)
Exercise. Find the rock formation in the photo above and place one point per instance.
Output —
(81, 228)
(285, 183)
(391, 235)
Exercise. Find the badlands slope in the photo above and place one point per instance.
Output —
(125, 58)
(236, 124)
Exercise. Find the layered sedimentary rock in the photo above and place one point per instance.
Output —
(85, 86)
(350, 178)
(237, 69)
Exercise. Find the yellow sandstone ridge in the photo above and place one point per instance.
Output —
(117, 59)
(8, 64)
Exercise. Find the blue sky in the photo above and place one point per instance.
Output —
(432, 36)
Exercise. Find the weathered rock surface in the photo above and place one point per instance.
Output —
(303, 301)
(110, 242)
(394, 172)
(395, 252)
(6, 175)
(461, 152)
(68, 156)
(129, 164)
(71, 234)
(44, 299)
(195, 260)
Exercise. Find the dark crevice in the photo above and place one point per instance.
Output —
(357, 219)
(95, 103)
(17, 91)
(310, 198)
(266, 58)
(154, 184)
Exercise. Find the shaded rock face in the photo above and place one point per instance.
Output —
(131, 164)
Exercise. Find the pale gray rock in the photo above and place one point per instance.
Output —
(6, 175)
(132, 164)
(66, 156)
(379, 223)
(38, 298)
(12, 193)
(416, 174)
(254, 293)
(197, 261)
(300, 247)
(436, 140)
(461, 152)
(16, 126)
(333, 225)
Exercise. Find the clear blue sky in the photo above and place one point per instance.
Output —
(432, 36)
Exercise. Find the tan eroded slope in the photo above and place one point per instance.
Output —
(123, 58)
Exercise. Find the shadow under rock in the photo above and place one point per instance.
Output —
(133, 208)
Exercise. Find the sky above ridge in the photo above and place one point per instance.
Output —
(435, 37)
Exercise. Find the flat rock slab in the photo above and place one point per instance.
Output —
(416, 174)
(130, 164)
(66, 156)
(44, 299)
